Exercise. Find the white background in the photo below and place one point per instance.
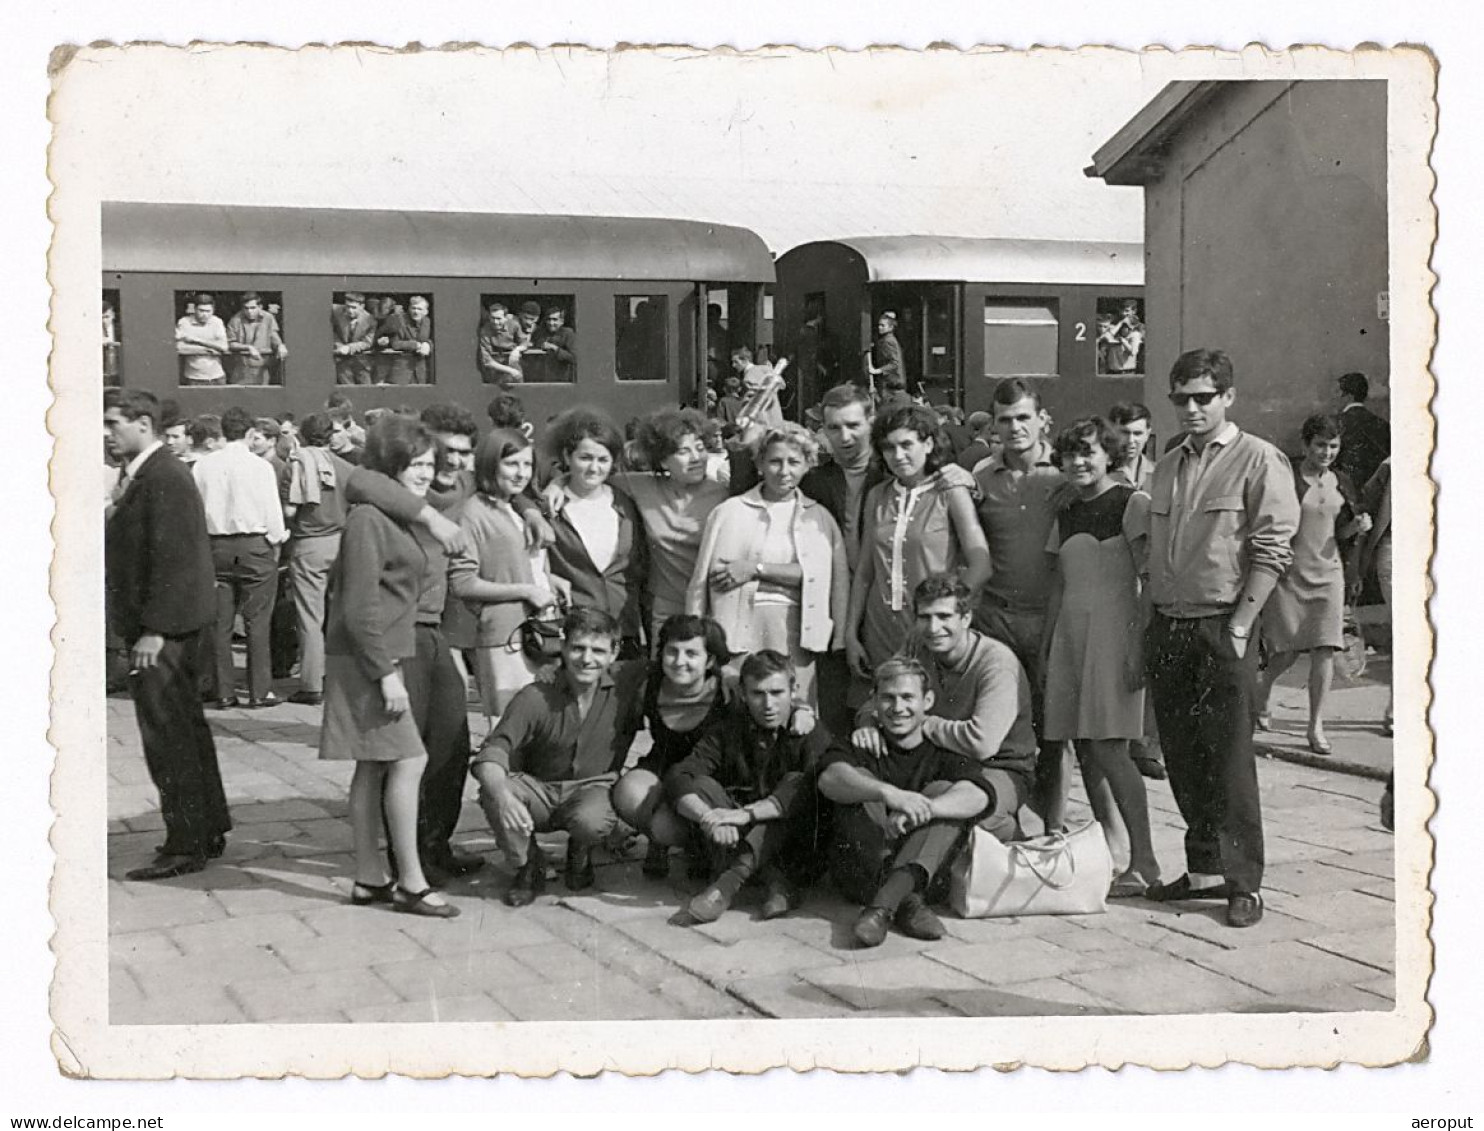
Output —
(1446, 1083)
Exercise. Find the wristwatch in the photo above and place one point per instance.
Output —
(1239, 633)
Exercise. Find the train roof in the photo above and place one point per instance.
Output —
(888, 259)
(217, 239)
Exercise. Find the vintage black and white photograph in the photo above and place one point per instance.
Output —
(668, 537)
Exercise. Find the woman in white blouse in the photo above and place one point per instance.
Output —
(771, 569)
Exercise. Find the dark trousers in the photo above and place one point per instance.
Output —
(833, 680)
(786, 842)
(246, 583)
(437, 694)
(179, 750)
(865, 850)
(1203, 699)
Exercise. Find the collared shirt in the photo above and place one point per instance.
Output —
(1215, 515)
(131, 468)
(544, 733)
(752, 764)
(240, 492)
(1137, 476)
(1016, 511)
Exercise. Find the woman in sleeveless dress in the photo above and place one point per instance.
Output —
(1093, 649)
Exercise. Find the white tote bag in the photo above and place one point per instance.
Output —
(1061, 874)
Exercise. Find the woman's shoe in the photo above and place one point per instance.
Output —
(416, 903)
(362, 894)
(1263, 721)
(1320, 745)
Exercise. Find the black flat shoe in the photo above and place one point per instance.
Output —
(1179, 890)
(227, 704)
(709, 905)
(1244, 909)
(915, 920)
(362, 894)
(215, 847)
(416, 903)
(781, 898)
(870, 927)
(257, 704)
(529, 882)
(307, 698)
(166, 867)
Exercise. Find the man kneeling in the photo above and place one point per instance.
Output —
(902, 814)
(550, 762)
(748, 788)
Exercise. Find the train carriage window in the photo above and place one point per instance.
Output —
(113, 335)
(383, 337)
(1121, 336)
(529, 339)
(1021, 337)
(641, 325)
(230, 337)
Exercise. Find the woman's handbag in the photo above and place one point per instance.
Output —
(1060, 874)
(540, 638)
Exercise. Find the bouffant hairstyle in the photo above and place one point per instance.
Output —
(1080, 435)
(795, 435)
(661, 433)
(685, 626)
(1320, 426)
(494, 450)
(393, 442)
(915, 418)
(575, 425)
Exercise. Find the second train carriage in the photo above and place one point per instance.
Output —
(1067, 315)
(647, 299)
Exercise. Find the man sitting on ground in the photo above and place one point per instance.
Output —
(981, 700)
(549, 763)
(749, 790)
(902, 814)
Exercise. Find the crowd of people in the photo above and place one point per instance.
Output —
(850, 646)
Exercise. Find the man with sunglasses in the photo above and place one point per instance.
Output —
(1222, 517)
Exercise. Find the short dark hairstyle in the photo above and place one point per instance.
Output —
(940, 587)
(338, 399)
(506, 411)
(1013, 390)
(498, 304)
(393, 442)
(207, 426)
(575, 425)
(134, 403)
(685, 626)
(453, 419)
(900, 667)
(493, 450)
(1081, 435)
(284, 417)
(268, 427)
(204, 299)
(550, 310)
(844, 395)
(316, 429)
(660, 433)
(1192, 365)
(530, 308)
(585, 620)
(251, 296)
(235, 422)
(1320, 426)
(760, 665)
(1127, 412)
(1355, 386)
(169, 414)
(979, 420)
(917, 418)
(354, 296)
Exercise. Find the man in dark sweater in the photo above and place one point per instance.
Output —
(902, 814)
(749, 791)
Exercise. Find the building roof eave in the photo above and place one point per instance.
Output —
(1135, 154)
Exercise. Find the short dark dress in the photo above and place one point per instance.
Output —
(672, 746)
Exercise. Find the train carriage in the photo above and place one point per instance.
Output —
(646, 299)
(1067, 315)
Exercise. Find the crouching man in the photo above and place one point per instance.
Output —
(557, 751)
(748, 790)
(903, 810)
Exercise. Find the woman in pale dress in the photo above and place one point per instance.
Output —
(1306, 611)
(918, 521)
(1092, 651)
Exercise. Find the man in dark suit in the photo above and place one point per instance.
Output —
(354, 331)
(1365, 438)
(160, 595)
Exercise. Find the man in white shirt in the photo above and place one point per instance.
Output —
(244, 518)
(201, 343)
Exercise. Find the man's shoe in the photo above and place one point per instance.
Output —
(257, 703)
(226, 704)
(915, 920)
(307, 698)
(1179, 890)
(1151, 768)
(709, 906)
(870, 927)
(580, 874)
(1244, 909)
(167, 867)
(529, 882)
(780, 898)
(657, 861)
(215, 847)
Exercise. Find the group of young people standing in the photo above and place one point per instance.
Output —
(957, 631)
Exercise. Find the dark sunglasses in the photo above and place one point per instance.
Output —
(1180, 400)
